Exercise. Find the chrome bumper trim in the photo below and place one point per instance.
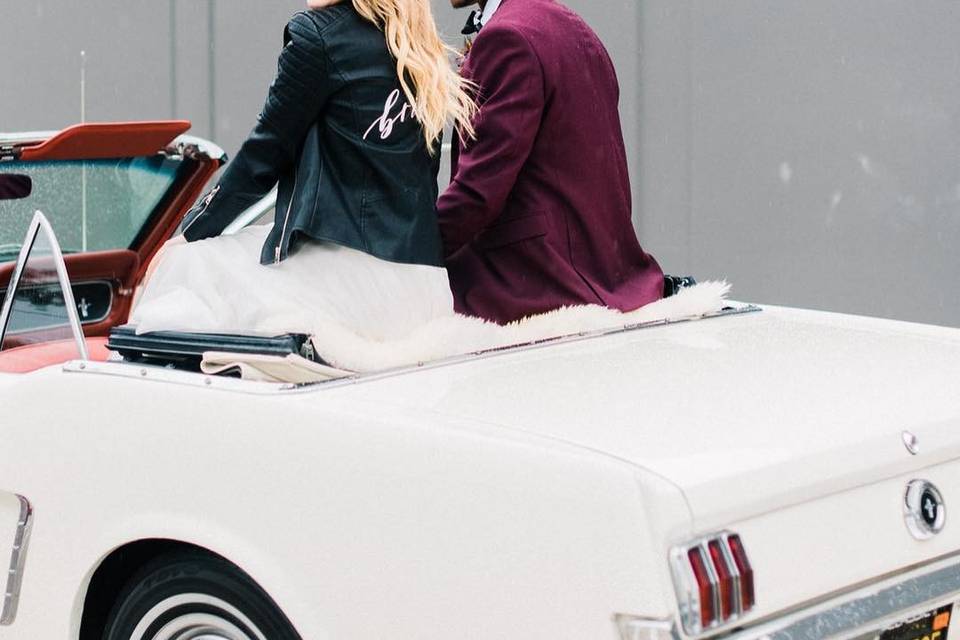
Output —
(859, 614)
(18, 558)
(869, 609)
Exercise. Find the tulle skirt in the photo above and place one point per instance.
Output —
(219, 286)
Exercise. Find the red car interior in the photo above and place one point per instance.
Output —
(119, 268)
(37, 356)
(125, 268)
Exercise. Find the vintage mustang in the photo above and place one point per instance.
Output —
(754, 474)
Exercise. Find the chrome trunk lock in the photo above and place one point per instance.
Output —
(924, 510)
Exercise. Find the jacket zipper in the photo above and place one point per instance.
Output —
(205, 204)
(286, 218)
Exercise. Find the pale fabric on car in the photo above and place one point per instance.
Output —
(385, 316)
(263, 368)
(219, 286)
(457, 335)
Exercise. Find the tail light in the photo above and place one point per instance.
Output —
(746, 572)
(714, 581)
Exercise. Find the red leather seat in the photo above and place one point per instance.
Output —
(31, 357)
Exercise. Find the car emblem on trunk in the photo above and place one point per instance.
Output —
(924, 511)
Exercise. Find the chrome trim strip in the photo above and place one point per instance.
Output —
(120, 369)
(64, 278)
(18, 558)
(688, 594)
(130, 370)
(28, 241)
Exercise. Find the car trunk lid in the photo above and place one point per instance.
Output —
(786, 427)
(745, 414)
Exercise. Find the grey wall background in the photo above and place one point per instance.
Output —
(808, 151)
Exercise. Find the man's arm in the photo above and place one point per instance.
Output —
(510, 77)
(295, 99)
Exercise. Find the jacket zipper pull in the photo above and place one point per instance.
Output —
(210, 197)
(203, 205)
(276, 254)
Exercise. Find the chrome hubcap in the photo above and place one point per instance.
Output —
(200, 626)
(232, 624)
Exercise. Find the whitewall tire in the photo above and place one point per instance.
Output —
(192, 596)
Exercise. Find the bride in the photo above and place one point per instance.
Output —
(351, 131)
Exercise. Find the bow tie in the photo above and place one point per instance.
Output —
(473, 25)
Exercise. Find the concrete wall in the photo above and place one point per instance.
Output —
(808, 151)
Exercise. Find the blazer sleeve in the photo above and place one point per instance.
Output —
(512, 98)
(296, 97)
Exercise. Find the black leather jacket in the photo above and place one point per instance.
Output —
(338, 134)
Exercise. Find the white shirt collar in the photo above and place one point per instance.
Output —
(484, 16)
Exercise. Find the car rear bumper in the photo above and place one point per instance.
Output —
(862, 613)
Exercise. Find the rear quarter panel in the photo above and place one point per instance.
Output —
(356, 517)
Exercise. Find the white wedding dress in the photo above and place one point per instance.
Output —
(219, 286)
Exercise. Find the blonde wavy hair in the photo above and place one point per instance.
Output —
(436, 92)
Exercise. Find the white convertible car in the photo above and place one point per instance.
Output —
(769, 473)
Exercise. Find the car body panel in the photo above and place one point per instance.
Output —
(843, 539)
(745, 413)
(532, 493)
(355, 517)
(537, 491)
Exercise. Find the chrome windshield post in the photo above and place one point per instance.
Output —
(40, 225)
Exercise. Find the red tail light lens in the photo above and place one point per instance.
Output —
(705, 586)
(728, 604)
(714, 582)
(747, 598)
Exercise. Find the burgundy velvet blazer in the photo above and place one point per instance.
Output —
(538, 212)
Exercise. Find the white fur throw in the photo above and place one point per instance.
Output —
(458, 335)
(349, 353)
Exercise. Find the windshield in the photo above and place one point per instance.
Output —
(93, 205)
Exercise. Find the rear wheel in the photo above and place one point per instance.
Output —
(191, 596)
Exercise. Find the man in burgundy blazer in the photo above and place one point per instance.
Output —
(538, 212)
